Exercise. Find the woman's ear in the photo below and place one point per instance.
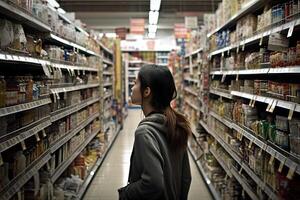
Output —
(147, 92)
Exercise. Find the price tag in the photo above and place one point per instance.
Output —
(54, 96)
(250, 144)
(37, 137)
(281, 165)
(226, 177)
(223, 78)
(1, 160)
(291, 29)
(260, 153)
(271, 160)
(273, 106)
(254, 100)
(57, 95)
(291, 112)
(213, 76)
(46, 70)
(243, 47)
(291, 171)
(241, 136)
(240, 172)
(228, 52)
(44, 133)
(223, 54)
(261, 40)
(237, 49)
(269, 105)
(237, 76)
(23, 145)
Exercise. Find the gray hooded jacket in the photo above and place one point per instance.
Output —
(156, 172)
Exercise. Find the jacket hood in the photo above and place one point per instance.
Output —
(156, 120)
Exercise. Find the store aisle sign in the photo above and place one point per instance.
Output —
(137, 26)
(180, 31)
(191, 22)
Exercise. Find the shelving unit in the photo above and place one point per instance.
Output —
(61, 112)
(252, 103)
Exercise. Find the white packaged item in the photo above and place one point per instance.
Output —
(6, 33)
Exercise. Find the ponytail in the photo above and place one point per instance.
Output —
(178, 129)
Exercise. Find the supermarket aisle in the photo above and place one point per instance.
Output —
(114, 170)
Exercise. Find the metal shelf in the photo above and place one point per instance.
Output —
(219, 93)
(283, 157)
(107, 73)
(71, 109)
(279, 103)
(107, 84)
(190, 91)
(191, 80)
(67, 43)
(73, 88)
(134, 68)
(221, 162)
(94, 169)
(105, 48)
(281, 71)
(18, 182)
(107, 96)
(256, 38)
(107, 62)
(26, 59)
(62, 167)
(61, 141)
(247, 8)
(20, 135)
(208, 182)
(245, 185)
(194, 52)
(27, 19)
(245, 167)
(191, 105)
(23, 107)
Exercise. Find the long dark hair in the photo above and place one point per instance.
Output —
(161, 82)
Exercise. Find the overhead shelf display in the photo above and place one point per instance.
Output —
(23, 16)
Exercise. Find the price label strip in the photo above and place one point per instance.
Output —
(254, 100)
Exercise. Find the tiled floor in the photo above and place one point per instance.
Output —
(113, 173)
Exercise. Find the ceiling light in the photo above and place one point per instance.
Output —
(155, 5)
(153, 17)
(152, 28)
(151, 35)
(61, 11)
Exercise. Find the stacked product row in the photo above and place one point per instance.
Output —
(54, 85)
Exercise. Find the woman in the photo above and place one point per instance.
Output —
(159, 164)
